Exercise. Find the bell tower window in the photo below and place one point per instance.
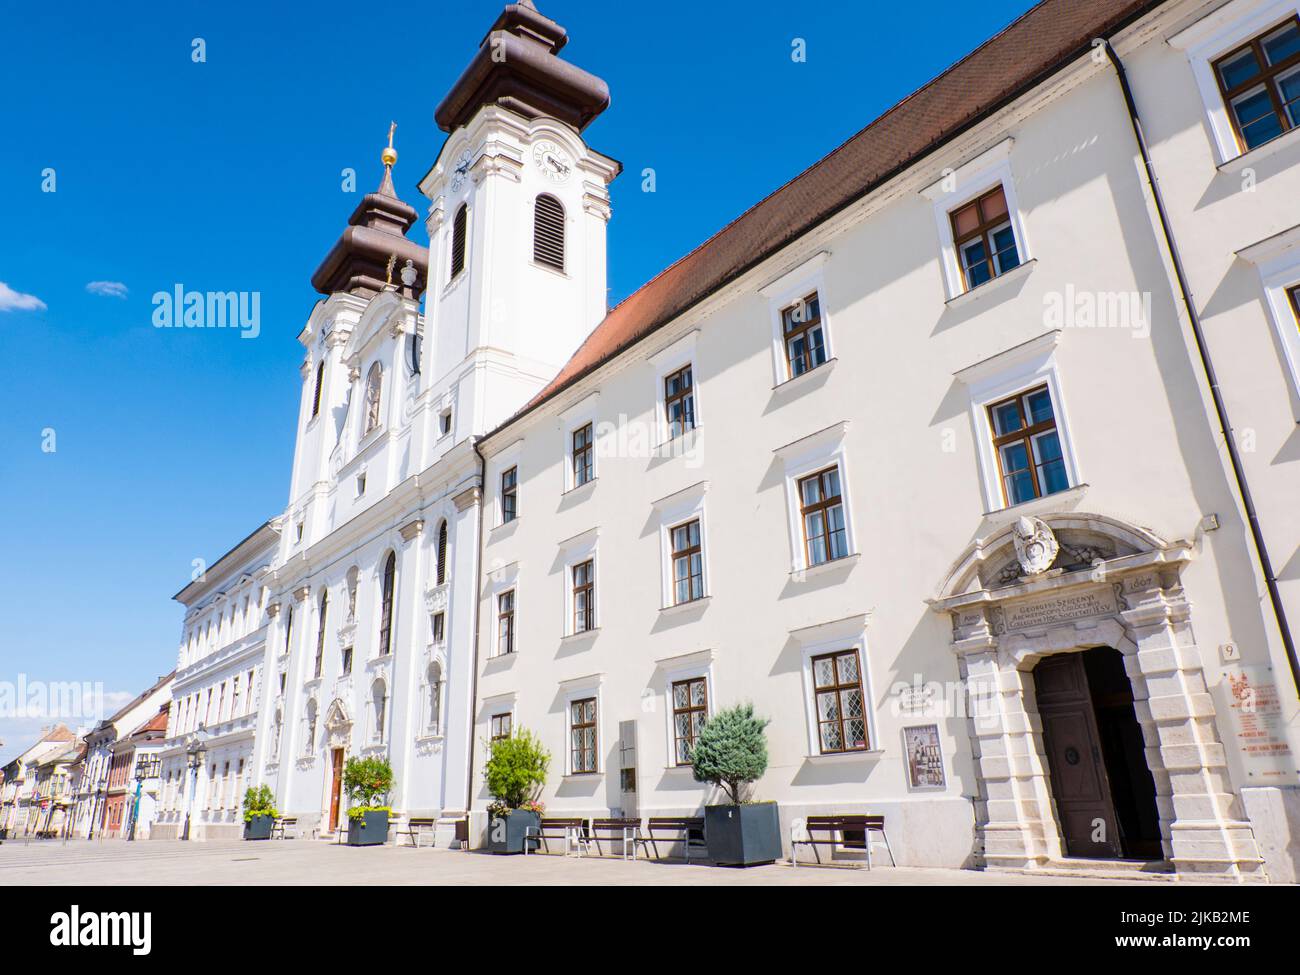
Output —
(320, 380)
(548, 232)
(458, 232)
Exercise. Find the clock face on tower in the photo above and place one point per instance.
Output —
(461, 170)
(554, 162)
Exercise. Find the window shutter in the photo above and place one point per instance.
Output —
(442, 554)
(458, 225)
(548, 232)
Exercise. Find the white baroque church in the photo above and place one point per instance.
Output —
(930, 455)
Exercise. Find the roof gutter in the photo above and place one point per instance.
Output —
(1220, 409)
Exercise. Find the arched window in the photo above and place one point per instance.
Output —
(386, 605)
(320, 634)
(548, 232)
(320, 380)
(374, 390)
(459, 228)
(310, 744)
(435, 697)
(288, 630)
(379, 704)
(441, 576)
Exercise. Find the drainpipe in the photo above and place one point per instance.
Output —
(1225, 426)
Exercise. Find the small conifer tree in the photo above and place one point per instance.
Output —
(731, 750)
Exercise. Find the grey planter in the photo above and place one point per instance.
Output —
(742, 836)
(258, 828)
(370, 830)
(506, 833)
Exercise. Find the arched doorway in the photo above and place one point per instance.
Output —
(1104, 793)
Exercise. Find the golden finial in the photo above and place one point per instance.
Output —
(392, 263)
(389, 155)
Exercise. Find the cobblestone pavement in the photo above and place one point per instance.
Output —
(318, 863)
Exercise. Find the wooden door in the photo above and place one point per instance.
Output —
(1080, 786)
(336, 788)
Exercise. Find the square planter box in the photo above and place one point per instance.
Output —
(506, 833)
(742, 836)
(370, 830)
(259, 828)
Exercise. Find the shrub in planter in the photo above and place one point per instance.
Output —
(259, 812)
(515, 774)
(367, 782)
(731, 753)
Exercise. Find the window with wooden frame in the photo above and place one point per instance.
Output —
(984, 237)
(386, 605)
(509, 495)
(548, 232)
(1294, 294)
(506, 622)
(584, 596)
(320, 381)
(690, 711)
(1260, 84)
(840, 704)
(679, 402)
(320, 633)
(439, 627)
(459, 232)
(583, 456)
(500, 726)
(582, 736)
(688, 563)
(804, 337)
(1028, 446)
(821, 509)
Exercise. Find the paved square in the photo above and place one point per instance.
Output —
(156, 862)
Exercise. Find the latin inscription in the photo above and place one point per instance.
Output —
(1058, 609)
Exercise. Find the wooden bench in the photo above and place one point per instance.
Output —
(626, 830)
(834, 829)
(687, 830)
(284, 823)
(415, 828)
(553, 829)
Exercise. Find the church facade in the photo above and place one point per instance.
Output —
(926, 456)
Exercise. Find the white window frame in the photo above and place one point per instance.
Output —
(690, 666)
(573, 419)
(1278, 262)
(836, 636)
(504, 580)
(804, 457)
(1215, 35)
(579, 689)
(958, 187)
(679, 354)
(573, 552)
(672, 512)
(502, 462)
(1017, 370)
(791, 287)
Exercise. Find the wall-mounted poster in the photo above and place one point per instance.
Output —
(924, 757)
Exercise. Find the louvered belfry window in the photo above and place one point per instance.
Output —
(458, 225)
(548, 232)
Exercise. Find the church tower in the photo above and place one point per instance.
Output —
(519, 207)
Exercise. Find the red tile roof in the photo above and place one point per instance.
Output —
(1051, 35)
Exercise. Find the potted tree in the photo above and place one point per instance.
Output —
(367, 782)
(731, 752)
(516, 774)
(259, 813)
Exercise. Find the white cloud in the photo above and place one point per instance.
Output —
(107, 289)
(11, 300)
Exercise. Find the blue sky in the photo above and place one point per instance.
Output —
(173, 444)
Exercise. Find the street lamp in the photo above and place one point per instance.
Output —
(142, 765)
(197, 753)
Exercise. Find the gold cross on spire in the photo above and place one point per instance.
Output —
(389, 154)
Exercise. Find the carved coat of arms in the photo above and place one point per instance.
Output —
(1036, 545)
